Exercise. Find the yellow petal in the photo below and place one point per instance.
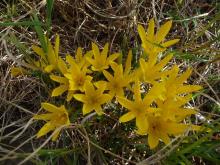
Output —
(59, 79)
(68, 76)
(142, 33)
(137, 91)
(39, 51)
(181, 113)
(169, 43)
(45, 129)
(150, 30)
(196, 127)
(183, 77)
(89, 88)
(16, 71)
(108, 76)
(70, 59)
(86, 109)
(98, 110)
(153, 141)
(44, 117)
(57, 44)
(142, 123)
(113, 57)
(188, 89)
(164, 137)
(125, 103)
(104, 52)
(50, 107)
(128, 62)
(59, 90)
(80, 97)
(79, 54)
(56, 135)
(119, 93)
(175, 128)
(163, 31)
(157, 91)
(49, 68)
(51, 56)
(105, 98)
(163, 62)
(143, 65)
(62, 66)
(127, 117)
(69, 95)
(95, 50)
(91, 61)
(101, 83)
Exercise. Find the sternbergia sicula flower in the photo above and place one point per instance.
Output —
(48, 60)
(62, 80)
(79, 59)
(154, 96)
(55, 118)
(77, 77)
(176, 84)
(93, 98)
(139, 108)
(154, 43)
(101, 60)
(174, 110)
(118, 82)
(160, 129)
(151, 71)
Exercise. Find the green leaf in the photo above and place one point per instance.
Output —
(40, 32)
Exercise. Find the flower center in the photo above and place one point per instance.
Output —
(80, 81)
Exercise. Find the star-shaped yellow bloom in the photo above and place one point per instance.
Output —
(151, 71)
(161, 129)
(154, 43)
(77, 77)
(93, 98)
(101, 61)
(57, 117)
(48, 60)
(64, 82)
(140, 108)
(175, 86)
(118, 82)
(174, 110)
(79, 59)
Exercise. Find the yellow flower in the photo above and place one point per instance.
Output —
(118, 82)
(150, 71)
(77, 77)
(154, 43)
(93, 98)
(48, 60)
(140, 108)
(64, 82)
(175, 86)
(173, 110)
(79, 59)
(100, 61)
(161, 129)
(57, 117)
